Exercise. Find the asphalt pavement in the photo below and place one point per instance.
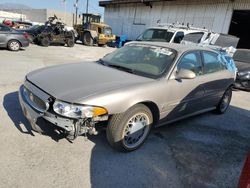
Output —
(204, 151)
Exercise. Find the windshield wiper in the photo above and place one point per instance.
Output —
(100, 61)
(126, 69)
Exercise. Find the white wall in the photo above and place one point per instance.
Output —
(132, 19)
(11, 16)
(41, 15)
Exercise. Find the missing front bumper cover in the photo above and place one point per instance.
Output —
(72, 127)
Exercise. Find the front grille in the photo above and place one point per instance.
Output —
(35, 97)
(35, 101)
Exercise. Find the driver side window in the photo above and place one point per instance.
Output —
(3, 28)
(191, 61)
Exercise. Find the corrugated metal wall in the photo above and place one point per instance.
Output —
(132, 19)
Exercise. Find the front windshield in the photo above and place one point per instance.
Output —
(161, 35)
(144, 60)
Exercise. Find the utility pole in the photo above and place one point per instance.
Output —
(87, 7)
(76, 6)
(64, 3)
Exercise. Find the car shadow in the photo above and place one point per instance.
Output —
(149, 166)
(203, 151)
(5, 49)
(13, 108)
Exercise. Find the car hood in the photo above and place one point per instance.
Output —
(78, 81)
(242, 66)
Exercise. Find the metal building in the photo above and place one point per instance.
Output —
(131, 17)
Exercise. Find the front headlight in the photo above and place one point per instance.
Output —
(77, 111)
(244, 73)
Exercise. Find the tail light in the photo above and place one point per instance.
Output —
(25, 35)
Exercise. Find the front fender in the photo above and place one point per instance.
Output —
(121, 100)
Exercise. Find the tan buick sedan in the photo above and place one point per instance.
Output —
(135, 88)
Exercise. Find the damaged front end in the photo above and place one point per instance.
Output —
(243, 80)
(73, 119)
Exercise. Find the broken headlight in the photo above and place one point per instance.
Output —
(77, 111)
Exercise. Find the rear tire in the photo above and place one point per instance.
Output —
(224, 102)
(128, 131)
(87, 39)
(45, 42)
(14, 45)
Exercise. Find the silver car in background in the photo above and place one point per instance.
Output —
(12, 39)
(135, 88)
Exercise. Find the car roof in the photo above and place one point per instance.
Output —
(174, 29)
(180, 48)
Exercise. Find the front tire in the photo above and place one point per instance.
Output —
(45, 42)
(128, 131)
(70, 43)
(14, 45)
(224, 102)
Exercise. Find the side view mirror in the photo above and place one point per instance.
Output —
(185, 74)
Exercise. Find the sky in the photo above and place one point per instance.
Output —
(58, 5)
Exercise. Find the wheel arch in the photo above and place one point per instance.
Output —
(13, 39)
(154, 110)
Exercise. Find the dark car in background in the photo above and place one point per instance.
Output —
(12, 39)
(33, 31)
(242, 61)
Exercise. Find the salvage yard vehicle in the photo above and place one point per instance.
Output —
(171, 33)
(12, 39)
(55, 32)
(33, 31)
(16, 24)
(129, 91)
(92, 31)
(242, 61)
(176, 33)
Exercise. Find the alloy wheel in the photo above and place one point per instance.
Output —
(136, 130)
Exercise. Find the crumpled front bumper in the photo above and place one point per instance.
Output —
(242, 81)
(33, 114)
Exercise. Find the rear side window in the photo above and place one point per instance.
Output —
(3, 28)
(191, 61)
(212, 62)
(178, 37)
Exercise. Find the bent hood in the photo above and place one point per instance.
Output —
(75, 82)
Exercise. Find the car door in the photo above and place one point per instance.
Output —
(185, 96)
(217, 76)
(4, 32)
